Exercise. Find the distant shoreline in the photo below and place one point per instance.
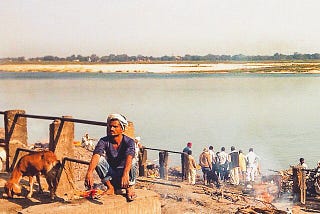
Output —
(181, 67)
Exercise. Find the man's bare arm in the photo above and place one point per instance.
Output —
(125, 176)
(89, 176)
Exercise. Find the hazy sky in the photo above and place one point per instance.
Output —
(33, 28)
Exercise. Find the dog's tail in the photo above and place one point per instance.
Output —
(12, 188)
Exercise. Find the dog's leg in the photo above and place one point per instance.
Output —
(52, 183)
(38, 180)
(51, 189)
(30, 187)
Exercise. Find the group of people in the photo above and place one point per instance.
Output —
(115, 159)
(234, 167)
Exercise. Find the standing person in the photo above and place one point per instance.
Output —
(184, 161)
(317, 169)
(188, 147)
(317, 179)
(213, 160)
(300, 181)
(302, 164)
(112, 158)
(218, 169)
(87, 142)
(205, 163)
(234, 166)
(223, 164)
(135, 160)
(242, 166)
(191, 168)
(252, 161)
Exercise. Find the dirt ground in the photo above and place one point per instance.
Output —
(180, 197)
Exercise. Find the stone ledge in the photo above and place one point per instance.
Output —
(147, 202)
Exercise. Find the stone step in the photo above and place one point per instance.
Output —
(147, 202)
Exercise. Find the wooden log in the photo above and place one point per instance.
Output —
(143, 162)
(163, 164)
(166, 158)
(184, 165)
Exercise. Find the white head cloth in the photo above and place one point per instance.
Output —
(121, 118)
(138, 138)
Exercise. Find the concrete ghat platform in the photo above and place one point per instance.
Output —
(147, 202)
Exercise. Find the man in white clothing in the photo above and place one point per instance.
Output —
(302, 164)
(223, 164)
(252, 162)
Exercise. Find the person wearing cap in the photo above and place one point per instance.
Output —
(184, 161)
(112, 158)
(205, 163)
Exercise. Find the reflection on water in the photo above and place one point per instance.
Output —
(277, 115)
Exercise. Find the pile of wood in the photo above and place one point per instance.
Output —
(258, 210)
(235, 196)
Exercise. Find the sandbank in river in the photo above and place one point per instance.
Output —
(272, 67)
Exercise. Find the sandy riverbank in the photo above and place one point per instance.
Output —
(175, 196)
(272, 67)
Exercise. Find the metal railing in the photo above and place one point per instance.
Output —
(75, 120)
(90, 122)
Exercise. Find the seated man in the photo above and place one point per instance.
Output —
(112, 158)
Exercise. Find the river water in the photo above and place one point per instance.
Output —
(276, 114)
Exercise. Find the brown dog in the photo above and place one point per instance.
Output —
(34, 164)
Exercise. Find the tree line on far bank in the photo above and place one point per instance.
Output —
(187, 57)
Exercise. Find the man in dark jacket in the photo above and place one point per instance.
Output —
(184, 163)
(234, 166)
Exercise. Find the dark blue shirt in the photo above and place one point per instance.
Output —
(115, 157)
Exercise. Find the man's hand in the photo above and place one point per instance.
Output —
(125, 180)
(125, 176)
(89, 176)
(89, 180)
